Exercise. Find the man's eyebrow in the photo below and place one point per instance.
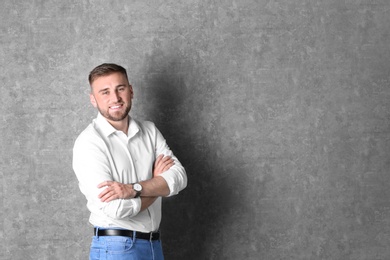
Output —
(118, 86)
(102, 90)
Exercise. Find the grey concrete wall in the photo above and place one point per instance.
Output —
(279, 110)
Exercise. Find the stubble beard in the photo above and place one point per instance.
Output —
(115, 116)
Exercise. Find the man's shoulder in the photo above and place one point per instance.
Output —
(144, 123)
(145, 126)
(89, 135)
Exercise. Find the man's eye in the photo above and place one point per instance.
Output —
(104, 92)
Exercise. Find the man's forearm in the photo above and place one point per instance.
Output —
(151, 190)
(146, 202)
(155, 187)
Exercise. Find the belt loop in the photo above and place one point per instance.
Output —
(97, 232)
(150, 236)
(134, 235)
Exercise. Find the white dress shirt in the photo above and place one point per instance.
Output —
(103, 153)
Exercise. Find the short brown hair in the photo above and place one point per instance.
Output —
(105, 69)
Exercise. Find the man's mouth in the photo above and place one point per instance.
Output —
(116, 107)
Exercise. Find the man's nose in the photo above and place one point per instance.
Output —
(115, 97)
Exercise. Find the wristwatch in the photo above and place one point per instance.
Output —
(138, 189)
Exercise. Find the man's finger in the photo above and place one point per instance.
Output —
(109, 196)
(163, 161)
(168, 162)
(166, 158)
(168, 166)
(158, 160)
(104, 183)
(104, 192)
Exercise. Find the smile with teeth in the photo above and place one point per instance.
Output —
(116, 107)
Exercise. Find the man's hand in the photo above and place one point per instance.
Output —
(162, 164)
(114, 190)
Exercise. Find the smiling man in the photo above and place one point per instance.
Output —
(124, 167)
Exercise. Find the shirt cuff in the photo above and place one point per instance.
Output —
(137, 203)
(171, 183)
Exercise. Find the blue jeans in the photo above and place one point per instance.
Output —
(125, 248)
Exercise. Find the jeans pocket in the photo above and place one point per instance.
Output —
(94, 253)
(119, 245)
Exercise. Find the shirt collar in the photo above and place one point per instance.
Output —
(133, 128)
(107, 129)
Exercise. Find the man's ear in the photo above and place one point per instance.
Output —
(131, 91)
(93, 100)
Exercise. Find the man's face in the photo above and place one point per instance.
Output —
(112, 95)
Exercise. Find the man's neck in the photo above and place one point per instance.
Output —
(122, 125)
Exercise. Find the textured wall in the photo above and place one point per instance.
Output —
(279, 110)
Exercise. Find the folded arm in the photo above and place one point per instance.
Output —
(92, 166)
(114, 199)
(169, 178)
(151, 189)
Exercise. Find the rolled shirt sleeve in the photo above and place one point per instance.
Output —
(92, 167)
(175, 177)
(102, 153)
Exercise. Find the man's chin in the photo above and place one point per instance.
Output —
(117, 118)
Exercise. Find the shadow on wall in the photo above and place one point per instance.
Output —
(193, 221)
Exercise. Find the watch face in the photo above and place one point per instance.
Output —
(137, 187)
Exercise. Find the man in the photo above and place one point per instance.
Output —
(124, 167)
